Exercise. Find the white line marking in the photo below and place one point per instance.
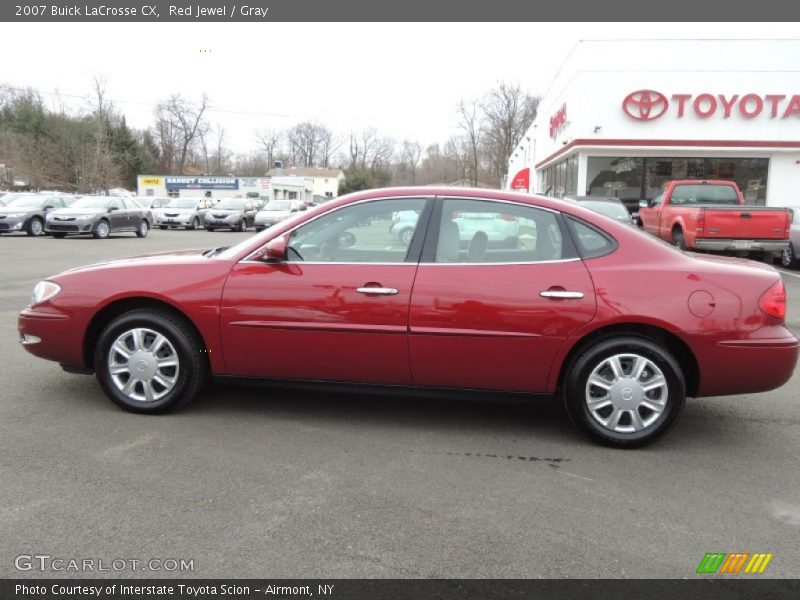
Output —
(789, 273)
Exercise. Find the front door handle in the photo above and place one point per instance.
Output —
(561, 294)
(377, 290)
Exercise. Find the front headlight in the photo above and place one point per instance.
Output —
(44, 291)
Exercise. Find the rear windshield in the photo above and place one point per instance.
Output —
(230, 204)
(704, 194)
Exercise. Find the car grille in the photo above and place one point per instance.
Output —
(220, 217)
(60, 227)
(171, 215)
(4, 227)
(63, 218)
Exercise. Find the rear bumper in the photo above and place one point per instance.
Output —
(746, 366)
(731, 245)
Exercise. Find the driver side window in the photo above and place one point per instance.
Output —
(370, 232)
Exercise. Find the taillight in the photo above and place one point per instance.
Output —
(773, 301)
(701, 221)
(789, 219)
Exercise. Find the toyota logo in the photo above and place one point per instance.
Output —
(645, 105)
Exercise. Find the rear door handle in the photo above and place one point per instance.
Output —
(561, 294)
(377, 290)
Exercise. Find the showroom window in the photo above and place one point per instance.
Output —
(631, 178)
(561, 179)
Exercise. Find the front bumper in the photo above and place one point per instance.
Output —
(172, 221)
(76, 226)
(52, 334)
(731, 245)
(12, 224)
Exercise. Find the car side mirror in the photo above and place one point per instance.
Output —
(644, 204)
(112, 208)
(304, 207)
(49, 207)
(276, 249)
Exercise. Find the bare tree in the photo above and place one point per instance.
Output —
(270, 141)
(508, 112)
(470, 122)
(179, 126)
(308, 142)
(410, 154)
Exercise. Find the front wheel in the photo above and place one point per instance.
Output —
(101, 230)
(242, 225)
(788, 258)
(59, 236)
(625, 391)
(144, 228)
(149, 361)
(195, 224)
(35, 227)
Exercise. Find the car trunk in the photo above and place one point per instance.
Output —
(745, 222)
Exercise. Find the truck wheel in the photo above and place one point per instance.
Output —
(788, 257)
(678, 240)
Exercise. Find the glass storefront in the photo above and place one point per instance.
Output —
(561, 179)
(630, 178)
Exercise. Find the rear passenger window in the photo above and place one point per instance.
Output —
(591, 241)
(484, 231)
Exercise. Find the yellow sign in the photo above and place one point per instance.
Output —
(152, 180)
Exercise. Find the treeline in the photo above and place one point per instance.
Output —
(93, 149)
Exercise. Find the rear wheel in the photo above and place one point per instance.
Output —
(101, 229)
(195, 224)
(788, 258)
(144, 228)
(35, 227)
(59, 235)
(678, 240)
(242, 225)
(163, 227)
(625, 391)
(209, 229)
(148, 361)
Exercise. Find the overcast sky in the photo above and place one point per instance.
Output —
(405, 79)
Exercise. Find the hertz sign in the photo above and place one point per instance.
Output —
(647, 105)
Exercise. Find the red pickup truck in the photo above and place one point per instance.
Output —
(711, 216)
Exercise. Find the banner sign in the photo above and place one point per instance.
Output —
(202, 183)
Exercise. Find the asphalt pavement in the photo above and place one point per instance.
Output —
(252, 482)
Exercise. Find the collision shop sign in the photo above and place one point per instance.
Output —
(648, 105)
(202, 183)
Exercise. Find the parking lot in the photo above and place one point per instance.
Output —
(262, 483)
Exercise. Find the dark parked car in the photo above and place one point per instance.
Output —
(27, 212)
(336, 298)
(610, 207)
(236, 214)
(99, 216)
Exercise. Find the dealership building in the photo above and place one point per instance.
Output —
(622, 117)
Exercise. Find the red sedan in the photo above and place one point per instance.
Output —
(493, 291)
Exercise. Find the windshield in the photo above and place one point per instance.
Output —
(704, 194)
(278, 206)
(182, 203)
(27, 202)
(609, 209)
(230, 204)
(93, 202)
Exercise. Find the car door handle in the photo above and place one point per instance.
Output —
(383, 291)
(561, 294)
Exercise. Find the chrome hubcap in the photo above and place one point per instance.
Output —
(143, 365)
(102, 229)
(787, 257)
(36, 227)
(143, 228)
(626, 393)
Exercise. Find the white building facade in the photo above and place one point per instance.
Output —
(182, 186)
(325, 182)
(622, 118)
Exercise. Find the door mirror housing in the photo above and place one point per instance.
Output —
(276, 249)
(113, 208)
(644, 204)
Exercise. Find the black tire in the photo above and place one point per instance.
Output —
(59, 236)
(143, 229)
(163, 227)
(35, 227)
(788, 257)
(192, 371)
(577, 392)
(195, 224)
(678, 240)
(209, 229)
(101, 232)
(242, 226)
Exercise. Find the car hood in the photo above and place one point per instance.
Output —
(173, 257)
